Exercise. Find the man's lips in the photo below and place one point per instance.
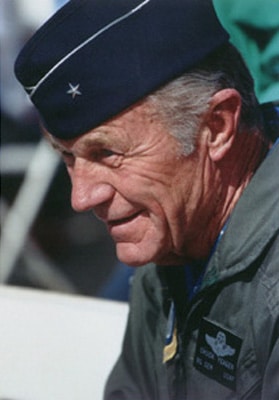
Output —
(124, 229)
(121, 221)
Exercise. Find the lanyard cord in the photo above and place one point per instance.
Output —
(193, 285)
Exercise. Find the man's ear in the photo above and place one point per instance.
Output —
(222, 120)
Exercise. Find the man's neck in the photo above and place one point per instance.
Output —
(235, 173)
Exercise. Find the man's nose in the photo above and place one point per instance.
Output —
(89, 190)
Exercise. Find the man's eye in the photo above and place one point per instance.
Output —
(107, 153)
(108, 157)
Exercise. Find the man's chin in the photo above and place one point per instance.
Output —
(132, 255)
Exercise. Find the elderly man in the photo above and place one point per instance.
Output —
(154, 114)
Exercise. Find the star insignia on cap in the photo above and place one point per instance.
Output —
(74, 90)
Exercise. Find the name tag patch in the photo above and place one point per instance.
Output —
(217, 353)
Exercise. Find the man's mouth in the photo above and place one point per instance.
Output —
(121, 221)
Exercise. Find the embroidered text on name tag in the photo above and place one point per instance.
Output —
(217, 353)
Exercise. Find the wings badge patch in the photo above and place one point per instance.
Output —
(217, 353)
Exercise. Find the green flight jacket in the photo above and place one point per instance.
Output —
(228, 334)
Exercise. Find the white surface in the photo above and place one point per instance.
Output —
(57, 347)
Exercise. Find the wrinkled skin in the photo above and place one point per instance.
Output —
(158, 204)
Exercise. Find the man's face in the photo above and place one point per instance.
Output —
(132, 175)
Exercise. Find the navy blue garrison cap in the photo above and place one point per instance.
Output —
(95, 58)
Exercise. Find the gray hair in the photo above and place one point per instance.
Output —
(183, 102)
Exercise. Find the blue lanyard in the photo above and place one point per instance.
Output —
(193, 285)
(170, 324)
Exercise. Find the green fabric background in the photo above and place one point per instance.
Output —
(254, 29)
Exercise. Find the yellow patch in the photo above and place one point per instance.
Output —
(170, 349)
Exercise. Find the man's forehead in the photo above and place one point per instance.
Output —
(96, 137)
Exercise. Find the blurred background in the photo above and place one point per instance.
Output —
(44, 244)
